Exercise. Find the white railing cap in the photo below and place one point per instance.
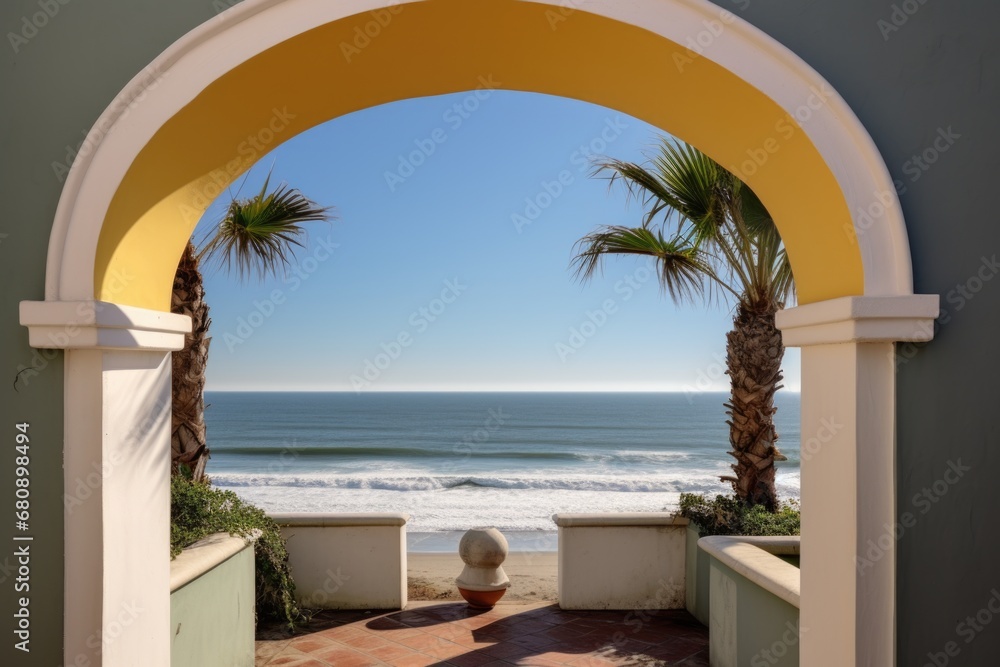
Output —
(202, 556)
(612, 519)
(343, 519)
(756, 558)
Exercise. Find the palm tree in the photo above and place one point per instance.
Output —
(258, 236)
(711, 237)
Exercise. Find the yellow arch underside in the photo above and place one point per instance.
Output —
(445, 46)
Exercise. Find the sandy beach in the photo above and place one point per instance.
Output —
(532, 576)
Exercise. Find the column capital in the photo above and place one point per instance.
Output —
(99, 325)
(860, 319)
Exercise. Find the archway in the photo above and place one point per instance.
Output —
(182, 130)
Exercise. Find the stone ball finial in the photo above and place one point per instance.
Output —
(483, 581)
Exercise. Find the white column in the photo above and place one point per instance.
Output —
(848, 470)
(117, 476)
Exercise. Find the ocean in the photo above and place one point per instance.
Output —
(455, 461)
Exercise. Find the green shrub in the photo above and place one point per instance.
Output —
(726, 515)
(197, 510)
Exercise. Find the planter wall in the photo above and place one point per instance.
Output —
(697, 577)
(212, 603)
(347, 561)
(754, 606)
(621, 561)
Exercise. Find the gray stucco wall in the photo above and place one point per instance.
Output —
(52, 89)
(939, 70)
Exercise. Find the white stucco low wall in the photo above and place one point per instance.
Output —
(347, 561)
(621, 561)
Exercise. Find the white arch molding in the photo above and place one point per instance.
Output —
(117, 360)
(253, 26)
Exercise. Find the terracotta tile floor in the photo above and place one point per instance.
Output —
(444, 634)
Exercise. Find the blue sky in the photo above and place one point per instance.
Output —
(448, 266)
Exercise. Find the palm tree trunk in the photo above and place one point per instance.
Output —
(753, 355)
(189, 449)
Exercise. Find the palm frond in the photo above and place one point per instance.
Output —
(724, 234)
(641, 185)
(259, 235)
(680, 267)
(691, 177)
(681, 182)
(753, 211)
(784, 281)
